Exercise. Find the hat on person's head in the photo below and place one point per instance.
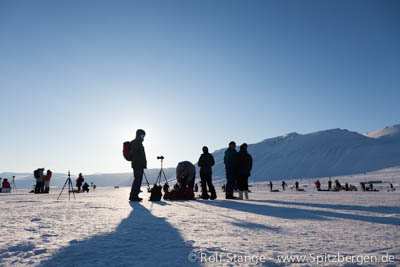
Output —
(205, 149)
(243, 146)
(140, 133)
(232, 143)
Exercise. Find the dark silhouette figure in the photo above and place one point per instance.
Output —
(230, 154)
(138, 163)
(338, 186)
(85, 187)
(206, 161)
(330, 185)
(270, 186)
(297, 185)
(284, 185)
(243, 163)
(318, 185)
(196, 188)
(39, 188)
(185, 175)
(79, 182)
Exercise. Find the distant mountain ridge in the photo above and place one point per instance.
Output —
(331, 152)
(325, 153)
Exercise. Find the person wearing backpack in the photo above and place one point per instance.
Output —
(39, 176)
(138, 163)
(206, 161)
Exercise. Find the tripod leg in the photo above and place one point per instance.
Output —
(147, 181)
(72, 188)
(164, 176)
(62, 189)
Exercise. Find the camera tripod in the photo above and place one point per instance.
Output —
(70, 187)
(13, 185)
(161, 173)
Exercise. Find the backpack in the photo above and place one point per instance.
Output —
(126, 151)
(36, 174)
(156, 193)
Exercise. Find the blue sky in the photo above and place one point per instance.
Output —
(77, 78)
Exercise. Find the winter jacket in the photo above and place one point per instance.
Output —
(48, 176)
(185, 173)
(6, 184)
(242, 163)
(206, 161)
(228, 158)
(79, 181)
(138, 155)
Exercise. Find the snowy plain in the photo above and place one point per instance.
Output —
(102, 228)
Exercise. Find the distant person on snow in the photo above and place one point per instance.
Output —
(79, 182)
(243, 163)
(329, 185)
(284, 185)
(47, 181)
(39, 176)
(206, 161)
(85, 187)
(338, 186)
(139, 163)
(318, 185)
(5, 183)
(230, 154)
(270, 186)
(297, 185)
(185, 174)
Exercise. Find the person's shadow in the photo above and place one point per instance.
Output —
(141, 239)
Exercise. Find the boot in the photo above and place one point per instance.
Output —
(230, 196)
(241, 195)
(246, 194)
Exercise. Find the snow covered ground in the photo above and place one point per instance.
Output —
(102, 228)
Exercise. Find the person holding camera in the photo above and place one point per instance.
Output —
(206, 161)
(139, 163)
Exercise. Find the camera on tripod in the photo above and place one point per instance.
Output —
(160, 157)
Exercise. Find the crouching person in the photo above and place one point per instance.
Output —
(85, 187)
(185, 174)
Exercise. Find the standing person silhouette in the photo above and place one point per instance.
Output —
(139, 163)
(230, 153)
(206, 161)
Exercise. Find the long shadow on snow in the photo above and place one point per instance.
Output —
(298, 214)
(140, 240)
(377, 209)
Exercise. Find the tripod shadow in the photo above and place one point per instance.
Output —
(140, 240)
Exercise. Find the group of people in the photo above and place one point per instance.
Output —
(238, 165)
(42, 181)
(81, 187)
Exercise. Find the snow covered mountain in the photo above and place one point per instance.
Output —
(326, 153)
